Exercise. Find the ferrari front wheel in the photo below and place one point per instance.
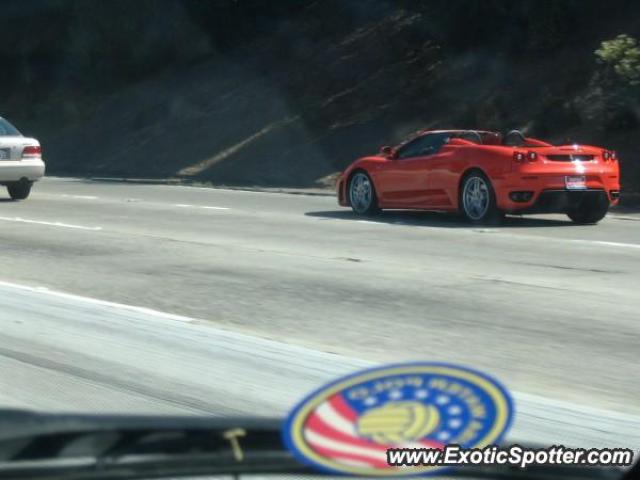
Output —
(362, 194)
(478, 200)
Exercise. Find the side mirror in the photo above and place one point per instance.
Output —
(388, 152)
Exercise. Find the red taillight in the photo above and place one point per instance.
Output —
(521, 157)
(31, 151)
(518, 157)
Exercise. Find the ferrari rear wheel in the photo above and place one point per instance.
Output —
(591, 210)
(478, 201)
(362, 194)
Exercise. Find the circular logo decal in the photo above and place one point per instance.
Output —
(347, 426)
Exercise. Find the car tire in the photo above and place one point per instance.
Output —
(590, 210)
(19, 190)
(362, 194)
(477, 202)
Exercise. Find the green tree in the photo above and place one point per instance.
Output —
(622, 56)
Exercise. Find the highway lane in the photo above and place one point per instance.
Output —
(66, 353)
(549, 307)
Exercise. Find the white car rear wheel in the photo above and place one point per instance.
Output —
(19, 190)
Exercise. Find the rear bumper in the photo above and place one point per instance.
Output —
(16, 170)
(524, 193)
(563, 201)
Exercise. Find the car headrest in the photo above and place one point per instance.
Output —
(514, 138)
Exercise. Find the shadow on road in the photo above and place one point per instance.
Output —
(443, 220)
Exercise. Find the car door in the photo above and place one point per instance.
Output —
(402, 182)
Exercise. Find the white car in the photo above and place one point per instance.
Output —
(20, 161)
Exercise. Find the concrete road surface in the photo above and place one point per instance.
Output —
(283, 292)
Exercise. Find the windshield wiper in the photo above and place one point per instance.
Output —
(45, 446)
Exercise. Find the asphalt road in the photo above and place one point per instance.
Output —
(290, 290)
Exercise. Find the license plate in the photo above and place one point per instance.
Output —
(577, 182)
(4, 153)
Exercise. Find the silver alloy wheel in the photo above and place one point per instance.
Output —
(475, 197)
(360, 192)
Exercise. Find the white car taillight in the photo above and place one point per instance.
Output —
(32, 151)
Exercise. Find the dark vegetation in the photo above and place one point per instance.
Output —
(287, 92)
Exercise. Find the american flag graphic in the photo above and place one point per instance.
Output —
(331, 430)
(348, 426)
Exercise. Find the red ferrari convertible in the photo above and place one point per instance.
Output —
(484, 175)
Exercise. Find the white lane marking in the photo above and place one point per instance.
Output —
(609, 244)
(592, 243)
(500, 232)
(79, 197)
(206, 207)
(140, 182)
(313, 193)
(523, 236)
(50, 224)
(95, 301)
(540, 401)
(625, 217)
(371, 222)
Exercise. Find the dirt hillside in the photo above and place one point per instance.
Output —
(286, 95)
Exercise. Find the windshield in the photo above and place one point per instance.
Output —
(240, 209)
